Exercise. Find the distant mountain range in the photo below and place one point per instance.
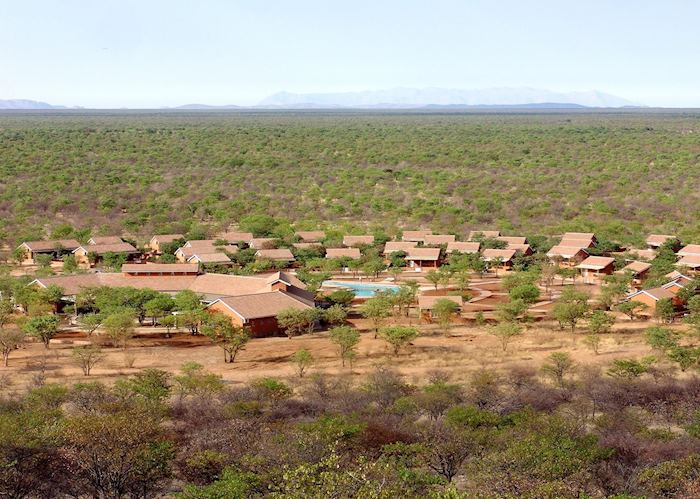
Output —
(415, 98)
(26, 104)
(407, 98)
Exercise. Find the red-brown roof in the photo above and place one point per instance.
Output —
(658, 239)
(565, 251)
(357, 240)
(311, 235)
(691, 261)
(690, 250)
(102, 249)
(438, 239)
(105, 240)
(167, 238)
(596, 263)
(260, 305)
(353, 253)
(637, 267)
(176, 268)
(415, 235)
(236, 237)
(505, 255)
(66, 244)
(512, 239)
(281, 254)
(216, 257)
(394, 246)
(423, 254)
(463, 246)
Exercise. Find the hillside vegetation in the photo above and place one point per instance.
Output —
(621, 174)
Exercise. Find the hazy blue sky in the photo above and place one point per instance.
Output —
(150, 53)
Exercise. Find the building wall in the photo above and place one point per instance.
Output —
(259, 328)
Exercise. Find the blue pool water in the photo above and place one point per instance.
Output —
(362, 289)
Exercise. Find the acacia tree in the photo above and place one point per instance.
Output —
(224, 333)
(444, 310)
(506, 331)
(631, 308)
(120, 327)
(377, 309)
(86, 357)
(10, 340)
(558, 366)
(295, 321)
(42, 327)
(302, 359)
(398, 336)
(346, 338)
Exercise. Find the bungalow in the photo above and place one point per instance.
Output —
(650, 297)
(202, 247)
(638, 270)
(281, 255)
(502, 257)
(218, 257)
(258, 312)
(357, 240)
(568, 255)
(415, 236)
(157, 241)
(260, 243)
(417, 258)
(426, 304)
(82, 253)
(677, 276)
(463, 247)
(690, 250)
(483, 234)
(655, 241)
(674, 286)
(310, 236)
(236, 237)
(352, 253)
(594, 268)
(439, 239)
(394, 246)
(56, 248)
(585, 239)
(692, 262)
(105, 240)
(160, 269)
(307, 245)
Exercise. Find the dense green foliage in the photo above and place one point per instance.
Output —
(621, 174)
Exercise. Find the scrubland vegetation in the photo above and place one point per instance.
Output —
(621, 175)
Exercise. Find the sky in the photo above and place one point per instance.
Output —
(154, 53)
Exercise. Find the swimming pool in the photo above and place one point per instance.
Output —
(362, 289)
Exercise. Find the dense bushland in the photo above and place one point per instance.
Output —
(620, 174)
(513, 434)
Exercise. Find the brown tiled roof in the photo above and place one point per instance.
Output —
(489, 234)
(463, 246)
(504, 254)
(423, 254)
(656, 293)
(138, 268)
(306, 245)
(353, 253)
(357, 240)
(438, 239)
(415, 235)
(214, 285)
(287, 277)
(167, 238)
(690, 250)
(105, 240)
(217, 257)
(311, 235)
(261, 242)
(576, 242)
(102, 249)
(67, 244)
(259, 305)
(282, 254)
(658, 239)
(426, 302)
(565, 251)
(207, 246)
(236, 237)
(393, 246)
(649, 254)
(691, 261)
(512, 239)
(637, 267)
(578, 235)
(523, 248)
(596, 262)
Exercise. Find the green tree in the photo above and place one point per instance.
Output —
(346, 339)
(593, 342)
(665, 310)
(194, 380)
(302, 359)
(224, 333)
(335, 315)
(10, 340)
(631, 308)
(377, 309)
(511, 310)
(600, 322)
(295, 321)
(434, 277)
(568, 314)
(120, 327)
(505, 332)
(158, 307)
(445, 310)
(398, 336)
(558, 366)
(70, 265)
(529, 293)
(42, 327)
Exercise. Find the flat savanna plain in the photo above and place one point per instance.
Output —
(621, 174)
